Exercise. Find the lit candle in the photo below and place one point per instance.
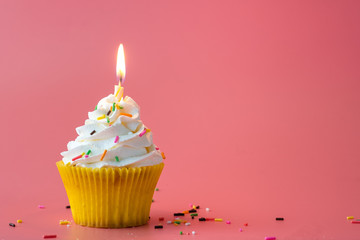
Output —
(120, 72)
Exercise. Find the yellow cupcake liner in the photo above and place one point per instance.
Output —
(110, 197)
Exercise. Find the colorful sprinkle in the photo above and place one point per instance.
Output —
(88, 152)
(103, 155)
(75, 158)
(148, 130)
(68, 206)
(49, 236)
(161, 219)
(83, 154)
(64, 222)
(108, 112)
(246, 224)
(116, 139)
(202, 219)
(169, 222)
(279, 219)
(142, 133)
(207, 209)
(126, 114)
(163, 155)
(119, 107)
(240, 230)
(19, 221)
(159, 226)
(101, 117)
(41, 206)
(185, 212)
(113, 108)
(107, 120)
(355, 221)
(158, 149)
(194, 214)
(157, 189)
(193, 232)
(187, 224)
(179, 214)
(218, 220)
(349, 217)
(96, 107)
(92, 132)
(181, 233)
(270, 238)
(117, 158)
(228, 222)
(192, 211)
(11, 224)
(210, 219)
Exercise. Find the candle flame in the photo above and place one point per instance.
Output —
(120, 64)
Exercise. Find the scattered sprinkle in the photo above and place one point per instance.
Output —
(163, 155)
(349, 217)
(158, 149)
(210, 219)
(148, 130)
(152, 200)
(194, 214)
(103, 155)
(96, 107)
(228, 222)
(181, 233)
(108, 113)
(192, 211)
(355, 221)
(270, 238)
(41, 206)
(64, 222)
(117, 158)
(11, 224)
(49, 236)
(207, 209)
(107, 119)
(240, 230)
(142, 132)
(218, 220)
(75, 158)
(101, 117)
(197, 207)
(168, 222)
(159, 226)
(179, 214)
(194, 207)
(19, 221)
(246, 224)
(92, 132)
(68, 206)
(279, 219)
(119, 107)
(88, 152)
(192, 217)
(190, 204)
(116, 139)
(202, 219)
(126, 114)
(161, 219)
(156, 189)
(193, 232)
(187, 224)
(113, 108)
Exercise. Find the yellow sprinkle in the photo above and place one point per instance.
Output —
(83, 154)
(19, 221)
(194, 207)
(218, 219)
(64, 222)
(126, 114)
(163, 156)
(103, 155)
(101, 117)
(148, 130)
(349, 217)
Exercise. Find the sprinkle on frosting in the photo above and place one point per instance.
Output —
(117, 158)
(92, 132)
(163, 155)
(113, 107)
(108, 113)
(101, 117)
(126, 114)
(116, 139)
(103, 155)
(107, 119)
(142, 133)
(88, 152)
(75, 158)
(96, 107)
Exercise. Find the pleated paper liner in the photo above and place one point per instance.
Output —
(110, 197)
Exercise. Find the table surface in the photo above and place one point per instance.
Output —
(255, 104)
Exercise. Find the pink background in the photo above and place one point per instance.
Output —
(255, 103)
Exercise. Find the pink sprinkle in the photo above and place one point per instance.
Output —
(158, 149)
(41, 206)
(190, 204)
(116, 139)
(270, 238)
(142, 133)
(228, 222)
(86, 156)
(240, 230)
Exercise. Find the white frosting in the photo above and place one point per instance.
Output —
(133, 149)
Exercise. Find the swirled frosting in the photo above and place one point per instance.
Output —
(113, 136)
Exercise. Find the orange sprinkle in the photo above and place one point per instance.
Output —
(186, 212)
(163, 155)
(103, 155)
(148, 130)
(126, 114)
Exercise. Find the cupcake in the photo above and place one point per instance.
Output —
(111, 169)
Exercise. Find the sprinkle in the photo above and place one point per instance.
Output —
(158, 149)
(68, 206)
(142, 133)
(246, 224)
(190, 204)
(197, 207)
(148, 130)
(83, 154)
(103, 155)
(355, 221)
(107, 120)
(119, 107)
(96, 107)
(152, 200)
(270, 238)
(101, 117)
(192, 211)
(228, 222)
(192, 217)
(202, 219)
(187, 224)
(126, 114)
(65, 222)
(117, 158)
(88, 152)
(113, 108)
(41, 206)
(240, 230)
(156, 189)
(49, 236)
(11, 225)
(163, 155)
(279, 219)
(349, 217)
(116, 139)
(92, 132)
(177, 222)
(185, 212)
(179, 214)
(80, 156)
(193, 232)
(181, 233)
(159, 226)
(19, 221)
(194, 214)
(161, 219)
(218, 220)
(194, 207)
(108, 112)
(207, 209)
(169, 222)
(210, 219)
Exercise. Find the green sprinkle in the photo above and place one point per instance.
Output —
(152, 200)
(177, 222)
(107, 119)
(181, 233)
(156, 189)
(96, 107)
(113, 107)
(88, 152)
(117, 158)
(121, 107)
(194, 214)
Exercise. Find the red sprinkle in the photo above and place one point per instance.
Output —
(246, 224)
(77, 157)
(210, 219)
(49, 236)
(161, 219)
(355, 221)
